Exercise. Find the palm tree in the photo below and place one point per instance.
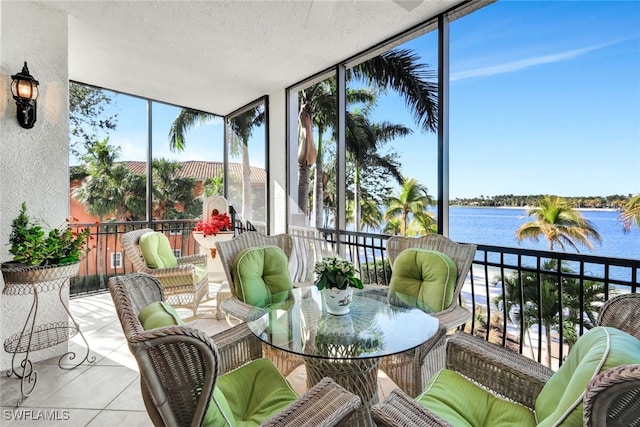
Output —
(319, 110)
(393, 226)
(559, 223)
(397, 70)
(171, 192)
(370, 214)
(524, 298)
(185, 121)
(363, 139)
(413, 198)
(423, 223)
(631, 213)
(213, 186)
(109, 189)
(242, 127)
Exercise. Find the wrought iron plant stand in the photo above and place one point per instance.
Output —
(38, 336)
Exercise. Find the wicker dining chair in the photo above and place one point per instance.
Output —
(234, 307)
(410, 370)
(622, 312)
(487, 376)
(185, 285)
(187, 377)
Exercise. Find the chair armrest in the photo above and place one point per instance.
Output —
(192, 259)
(398, 409)
(236, 308)
(504, 371)
(180, 274)
(613, 397)
(325, 404)
(453, 316)
(237, 346)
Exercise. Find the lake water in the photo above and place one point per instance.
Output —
(497, 226)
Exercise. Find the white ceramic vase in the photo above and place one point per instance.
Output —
(338, 300)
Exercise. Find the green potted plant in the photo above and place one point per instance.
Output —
(337, 278)
(33, 247)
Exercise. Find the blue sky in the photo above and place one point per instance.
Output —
(545, 98)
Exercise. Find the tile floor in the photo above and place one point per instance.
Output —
(105, 392)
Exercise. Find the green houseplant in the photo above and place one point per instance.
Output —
(337, 273)
(336, 278)
(31, 245)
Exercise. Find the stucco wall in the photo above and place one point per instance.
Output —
(34, 163)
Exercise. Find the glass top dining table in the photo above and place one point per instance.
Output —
(379, 323)
(348, 347)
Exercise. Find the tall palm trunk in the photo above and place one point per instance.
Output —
(247, 209)
(306, 156)
(356, 197)
(318, 195)
(547, 331)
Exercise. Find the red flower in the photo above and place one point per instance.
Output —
(215, 224)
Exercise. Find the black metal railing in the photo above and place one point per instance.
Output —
(508, 290)
(514, 294)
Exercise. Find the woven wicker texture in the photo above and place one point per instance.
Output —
(309, 247)
(400, 410)
(179, 366)
(234, 307)
(622, 312)
(181, 288)
(411, 370)
(612, 397)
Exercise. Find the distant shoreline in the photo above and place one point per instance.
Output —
(528, 207)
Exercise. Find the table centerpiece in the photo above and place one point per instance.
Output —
(336, 278)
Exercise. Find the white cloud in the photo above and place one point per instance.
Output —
(512, 66)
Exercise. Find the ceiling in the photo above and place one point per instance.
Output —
(220, 55)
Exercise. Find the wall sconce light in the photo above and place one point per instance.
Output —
(24, 89)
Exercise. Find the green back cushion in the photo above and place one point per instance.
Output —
(260, 272)
(156, 250)
(463, 403)
(157, 315)
(249, 395)
(560, 401)
(429, 276)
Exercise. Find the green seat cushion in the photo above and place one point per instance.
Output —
(426, 275)
(561, 400)
(260, 272)
(156, 250)
(157, 315)
(201, 272)
(249, 395)
(463, 403)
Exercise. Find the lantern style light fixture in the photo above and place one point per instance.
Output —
(24, 89)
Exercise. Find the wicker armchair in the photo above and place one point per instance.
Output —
(236, 308)
(227, 250)
(180, 366)
(180, 284)
(611, 398)
(410, 370)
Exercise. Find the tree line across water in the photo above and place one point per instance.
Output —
(616, 201)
